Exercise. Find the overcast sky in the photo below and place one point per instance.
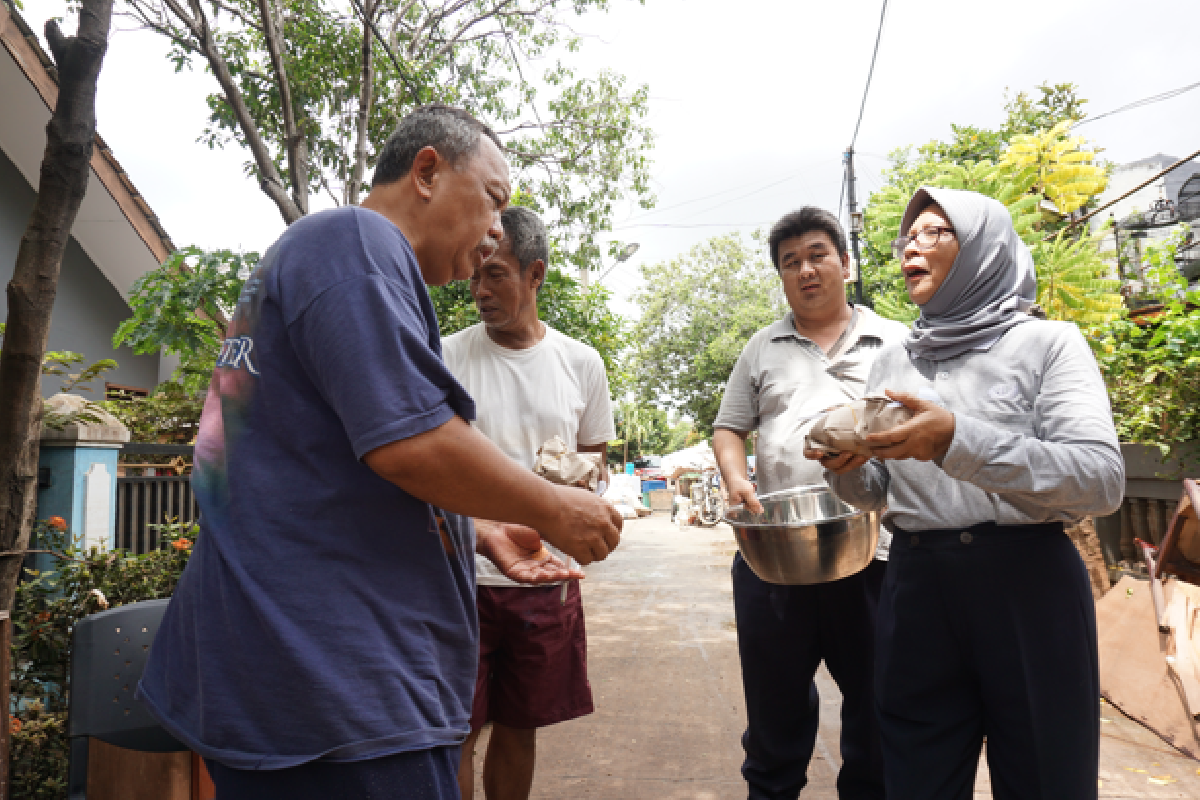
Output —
(752, 104)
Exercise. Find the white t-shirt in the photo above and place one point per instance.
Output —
(558, 387)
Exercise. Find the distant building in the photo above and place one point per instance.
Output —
(1155, 211)
(116, 237)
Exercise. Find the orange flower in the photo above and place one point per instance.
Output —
(14, 724)
(43, 617)
(58, 523)
(181, 544)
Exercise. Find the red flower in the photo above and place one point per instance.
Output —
(181, 544)
(58, 523)
(14, 724)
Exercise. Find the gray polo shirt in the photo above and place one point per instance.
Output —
(782, 377)
(1033, 438)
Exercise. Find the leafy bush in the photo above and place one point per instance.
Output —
(165, 302)
(38, 758)
(48, 605)
(170, 414)
(1152, 366)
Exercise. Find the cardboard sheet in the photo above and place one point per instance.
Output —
(1134, 674)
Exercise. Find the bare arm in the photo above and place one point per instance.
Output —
(517, 549)
(457, 468)
(730, 449)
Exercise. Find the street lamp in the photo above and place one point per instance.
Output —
(626, 251)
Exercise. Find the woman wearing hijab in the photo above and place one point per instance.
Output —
(986, 625)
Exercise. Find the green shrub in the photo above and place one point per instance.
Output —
(38, 760)
(48, 605)
(1152, 365)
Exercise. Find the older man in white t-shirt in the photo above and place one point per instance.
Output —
(530, 383)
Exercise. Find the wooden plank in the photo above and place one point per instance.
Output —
(202, 784)
(1185, 663)
(115, 773)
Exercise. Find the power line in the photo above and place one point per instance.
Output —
(691, 225)
(870, 74)
(1114, 201)
(1145, 101)
(654, 211)
(759, 187)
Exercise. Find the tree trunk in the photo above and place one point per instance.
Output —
(365, 101)
(64, 179)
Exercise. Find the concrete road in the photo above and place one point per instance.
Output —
(662, 655)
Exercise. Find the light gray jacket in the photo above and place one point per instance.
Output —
(1034, 439)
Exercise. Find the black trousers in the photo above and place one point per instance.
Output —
(417, 775)
(988, 631)
(784, 632)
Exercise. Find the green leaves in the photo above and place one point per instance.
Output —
(1071, 280)
(170, 414)
(697, 313)
(48, 604)
(1153, 375)
(563, 304)
(182, 308)
(1029, 170)
(577, 144)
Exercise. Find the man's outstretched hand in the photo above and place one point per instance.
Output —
(518, 553)
(585, 526)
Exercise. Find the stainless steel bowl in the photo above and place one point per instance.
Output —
(805, 535)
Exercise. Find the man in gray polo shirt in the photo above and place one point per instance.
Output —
(817, 356)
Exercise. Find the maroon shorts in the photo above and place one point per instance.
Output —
(532, 657)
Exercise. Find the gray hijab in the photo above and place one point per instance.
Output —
(991, 284)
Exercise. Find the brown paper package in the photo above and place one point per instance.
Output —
(844, 428)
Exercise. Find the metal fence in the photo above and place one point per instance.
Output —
(153, 499)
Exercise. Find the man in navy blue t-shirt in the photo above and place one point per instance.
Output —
(323, 640)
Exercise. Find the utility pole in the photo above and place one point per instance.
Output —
(855, 223)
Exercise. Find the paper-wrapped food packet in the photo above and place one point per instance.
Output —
(844, 428)
(557, 465)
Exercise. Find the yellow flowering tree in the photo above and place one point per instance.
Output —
(1050, 165)
(1064, 166)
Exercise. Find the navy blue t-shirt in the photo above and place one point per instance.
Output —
(322, 614)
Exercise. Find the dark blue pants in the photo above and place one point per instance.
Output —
(988, 632)
(418, 775)
(784, 632)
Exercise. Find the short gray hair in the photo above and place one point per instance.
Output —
(526, 236)
(451, 131)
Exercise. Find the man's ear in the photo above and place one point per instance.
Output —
(537, 274)
(846, 265)
(424, 172)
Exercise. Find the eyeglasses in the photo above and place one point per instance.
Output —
(926, 239)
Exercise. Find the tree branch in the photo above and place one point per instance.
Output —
(365, 101)
(269, 180)
(243, 17)
(297, 147)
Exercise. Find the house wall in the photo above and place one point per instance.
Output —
(88, 307)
